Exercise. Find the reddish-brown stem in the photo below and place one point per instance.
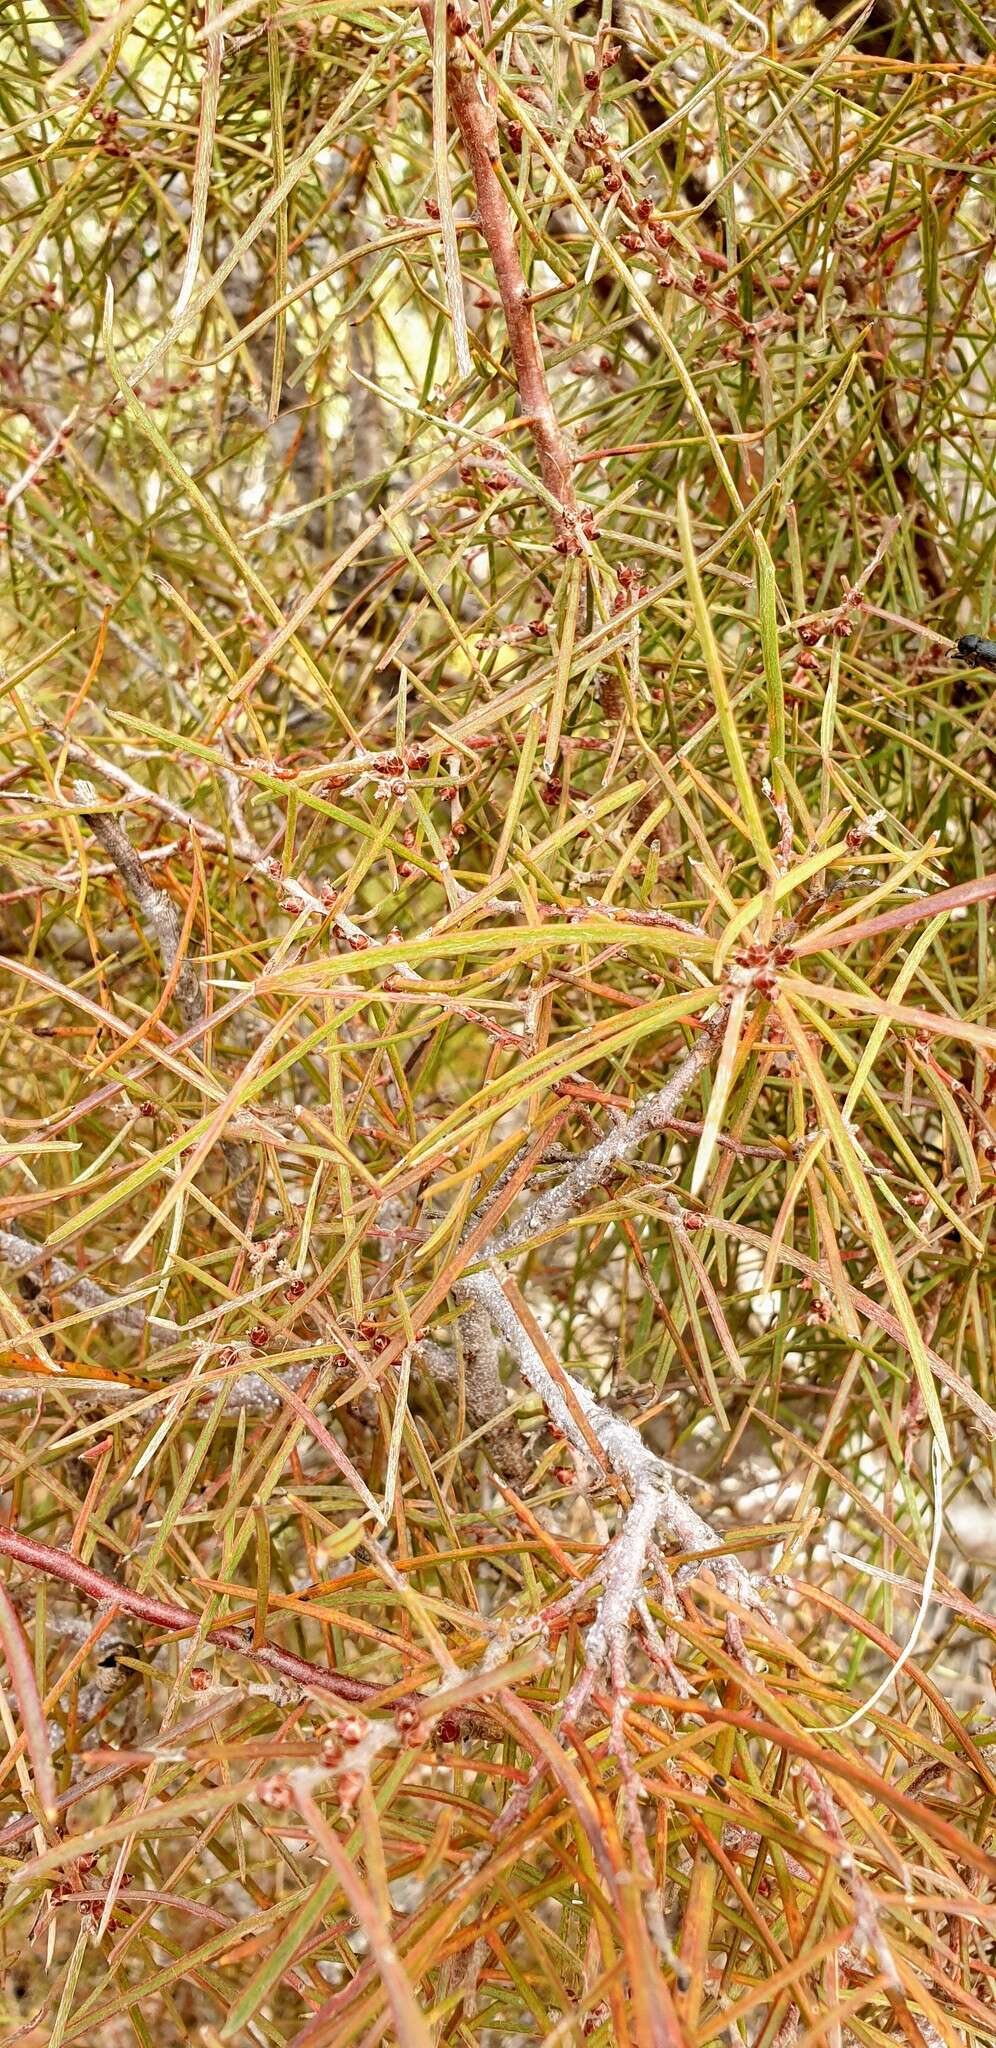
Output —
(61, 1564)
(476, 121)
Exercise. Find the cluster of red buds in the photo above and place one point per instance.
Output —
(798, 288)
(109, 140)
(757, 966)
(76, 1876)
(825, 626)
(575, 529)
(594, 141)
(391, 769)
(605, 57)
(372, 1334)
(631, 587)
(487, 471)
(838, 624)
(649, 234)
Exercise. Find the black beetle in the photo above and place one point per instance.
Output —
(972, 647)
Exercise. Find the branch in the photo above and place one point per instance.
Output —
(152, 904)
(164, 1614)
(575, 1411)
(582, 1419)
(247, 1390)
(25, 1256)
(487, 1400)
(565, 1199)
(476, 121)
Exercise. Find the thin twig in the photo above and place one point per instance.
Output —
(475, 118)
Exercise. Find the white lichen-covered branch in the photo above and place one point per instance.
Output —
(656, 1508)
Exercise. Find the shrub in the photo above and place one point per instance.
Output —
(498, 1075)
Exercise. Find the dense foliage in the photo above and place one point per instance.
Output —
(499, 1087)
